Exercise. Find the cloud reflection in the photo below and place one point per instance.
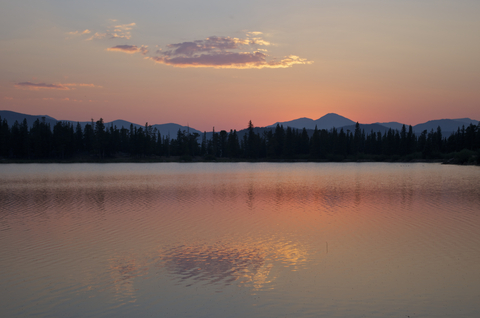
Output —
(225, 264)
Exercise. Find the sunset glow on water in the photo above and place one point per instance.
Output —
(242, 239)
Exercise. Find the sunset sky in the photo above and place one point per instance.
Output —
(223, 63)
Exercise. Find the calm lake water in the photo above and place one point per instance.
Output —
(239, 240)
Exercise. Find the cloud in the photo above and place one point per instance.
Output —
(97, 36)
(120, 31)
(39, 86)
(80, 32)
(225, 52)
(215, 51)
(242, 60)
(211, 44)
(124, 27)
(130, 49)
(82, 85)
(113, 31)
(8, 98)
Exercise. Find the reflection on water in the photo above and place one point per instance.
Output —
(260, 240)
(214, 265)
(248, 265)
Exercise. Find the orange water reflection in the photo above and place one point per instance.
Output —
(340, 232)
(248, 265)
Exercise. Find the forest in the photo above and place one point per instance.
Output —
(96, 142)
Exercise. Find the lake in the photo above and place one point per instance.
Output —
(240, 240)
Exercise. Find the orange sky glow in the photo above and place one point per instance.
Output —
(223, 64)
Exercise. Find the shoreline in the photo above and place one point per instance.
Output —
(220, 160)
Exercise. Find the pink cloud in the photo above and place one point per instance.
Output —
(82, 85)
(225, 52)
(210, 44)
(129, 49)
(215, 51)
(38, 86)
(231, 60)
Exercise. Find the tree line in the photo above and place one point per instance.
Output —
(65, 141)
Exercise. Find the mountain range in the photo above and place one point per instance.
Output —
(327, 121)
(331, 120)
(170, 129)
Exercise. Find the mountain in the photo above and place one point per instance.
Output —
(328, 121)
(164, 129)
(171, 129)
(368, 128)
(119, 123)
(448, 126)
(331, 120)
(393, 124)
(299, 123)
(325, 122)
(467, 121)
(11, 117)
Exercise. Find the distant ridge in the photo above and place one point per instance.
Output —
(11, 117)
(467, 121)
(393, 125)
(299, 123)
(448, 126)
(328, 121)
(169, 129)
(331, 120)
(368, 128)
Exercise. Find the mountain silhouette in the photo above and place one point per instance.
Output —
(393, 125)
(11, 117)
(169, 129)
(331, 120)
(368, 128)
(328, 121)
(448, 126)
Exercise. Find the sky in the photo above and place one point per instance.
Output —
(222, 63)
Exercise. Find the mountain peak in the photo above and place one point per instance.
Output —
(327, 121)
(331, 120)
